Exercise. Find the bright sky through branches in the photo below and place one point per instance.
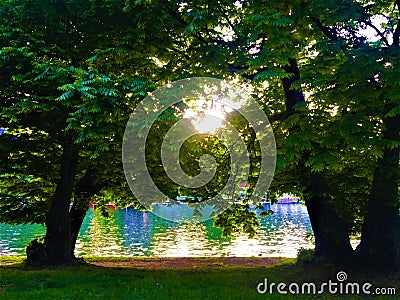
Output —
(207, 116)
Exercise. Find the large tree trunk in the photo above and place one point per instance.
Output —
(57, 221)
(380, 238)
(332, 241)
(54, 251)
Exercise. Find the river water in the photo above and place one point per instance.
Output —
(131, 232)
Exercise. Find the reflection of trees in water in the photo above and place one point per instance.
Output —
(137, 230)
(105, 236)
(286, 230)
(188, 239)
(132, 232)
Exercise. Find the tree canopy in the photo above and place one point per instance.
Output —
(325, 72)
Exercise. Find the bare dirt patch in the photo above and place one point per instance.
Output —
(189, 262)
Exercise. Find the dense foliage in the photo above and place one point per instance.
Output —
(325, 72)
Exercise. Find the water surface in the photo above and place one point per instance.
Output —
(130, 232)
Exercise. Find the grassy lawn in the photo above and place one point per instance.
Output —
(210, 282)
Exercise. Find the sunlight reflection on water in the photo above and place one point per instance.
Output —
(134, 233)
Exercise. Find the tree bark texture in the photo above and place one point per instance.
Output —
(380, 237)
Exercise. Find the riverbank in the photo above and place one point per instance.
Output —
(185, 278)
(169, 262)
(188, 262)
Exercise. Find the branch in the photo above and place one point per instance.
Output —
(332, 34)
(184, 23)
(232, 44)
(383, 38)
(278, 117)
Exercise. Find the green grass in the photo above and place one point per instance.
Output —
(212, 282)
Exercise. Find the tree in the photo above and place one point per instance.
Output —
(64, 107)
(318, 47)
(365, 79)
